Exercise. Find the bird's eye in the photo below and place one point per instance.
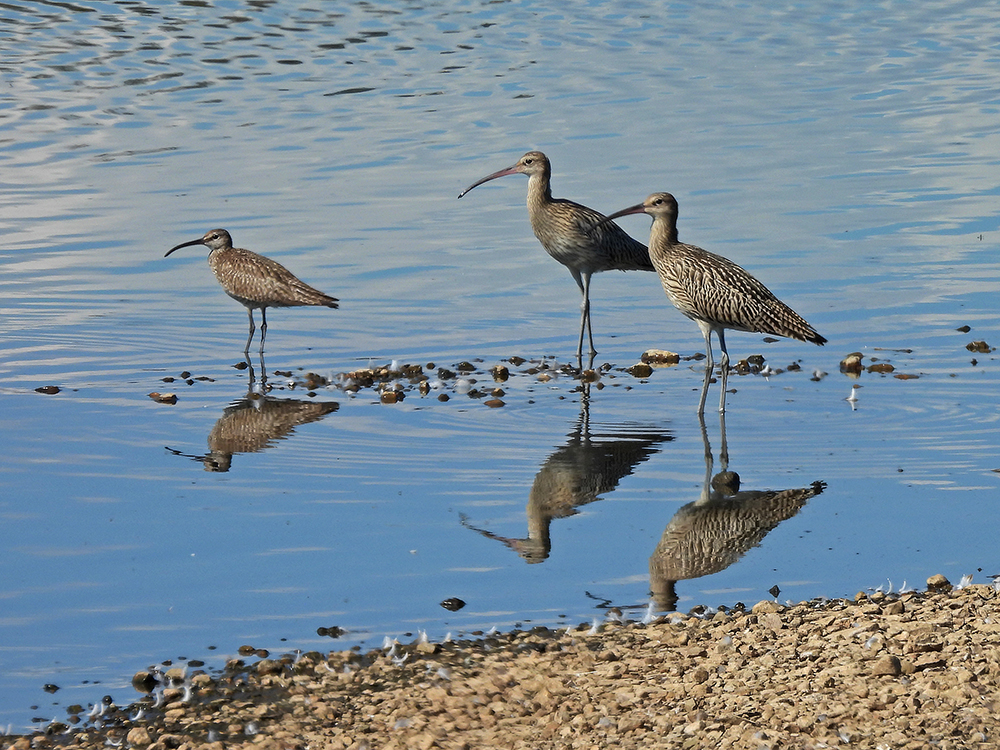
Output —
(528, 161)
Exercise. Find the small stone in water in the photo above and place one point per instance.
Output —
(852, 363)
(144, 682)
(640, 370)
(659, 357)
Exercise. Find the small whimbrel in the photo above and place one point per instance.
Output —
(573, 235)
(254, 281)
(713, 291)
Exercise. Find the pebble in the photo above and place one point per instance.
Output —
(659, 357)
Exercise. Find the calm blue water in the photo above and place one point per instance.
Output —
(847, 158)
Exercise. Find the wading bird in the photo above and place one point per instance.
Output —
(573, 234)
(713, 291)
(254, 281)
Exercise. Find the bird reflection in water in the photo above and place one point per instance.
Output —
(587, 466)
(255, 423)
(713, 532)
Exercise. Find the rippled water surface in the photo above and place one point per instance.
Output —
(846, 157)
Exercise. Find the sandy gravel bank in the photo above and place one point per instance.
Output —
(912, 671)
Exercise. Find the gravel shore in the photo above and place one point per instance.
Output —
(880, 671)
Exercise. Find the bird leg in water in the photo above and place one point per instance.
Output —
(246, 350)
(709, 366)
(583, 281)
(724, 365)
(585, 317)
(263, 328)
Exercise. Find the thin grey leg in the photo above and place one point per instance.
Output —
(709, 367)
(263, 328)
(724, 364)
(246, 350)
(585, 316)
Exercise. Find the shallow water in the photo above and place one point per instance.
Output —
(848, 159)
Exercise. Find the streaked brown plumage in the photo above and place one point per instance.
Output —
(254, 281)
(573, 235)
(713, 291)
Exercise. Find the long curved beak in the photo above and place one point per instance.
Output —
(638, 208)
(183, 244)
(502, 173)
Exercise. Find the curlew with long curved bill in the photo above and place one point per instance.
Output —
(573, 234)
(254, 281)
(713, 291)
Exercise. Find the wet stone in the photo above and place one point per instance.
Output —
(881, 367)
(852, 363)
(639, 370)
(979, 346)
(660, 357)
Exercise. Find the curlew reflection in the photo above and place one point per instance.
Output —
(711, 533)
(255, 423)
(590, 464)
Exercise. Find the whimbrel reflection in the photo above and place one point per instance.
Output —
(590, 464)
(711, 533)
(255, 423)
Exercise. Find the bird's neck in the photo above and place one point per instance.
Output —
(539, 191)
(663, 231)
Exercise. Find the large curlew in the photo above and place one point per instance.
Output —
(573, 234)
(713, 291)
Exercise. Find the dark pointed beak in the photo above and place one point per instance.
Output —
(502, 173)
(639, 208)
(183, 244)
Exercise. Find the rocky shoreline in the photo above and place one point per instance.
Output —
(906, 670)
